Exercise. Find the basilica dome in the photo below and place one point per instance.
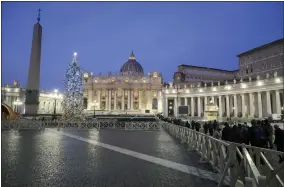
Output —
(132, 67)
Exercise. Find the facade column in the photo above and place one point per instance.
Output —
(114, 104)
(259, 104)
(268, 103)
(198, 107)
(251, 105)
(192, 106)
(90, 99)
(128, 99)
(99, 100)
(139, 99)
(235, 106)
(106, 99)
(176, 107)
(243, 105)
(278, 102)
(220, 107)
(228, 105)
(122, 100)
(131, 99)
(109, 102)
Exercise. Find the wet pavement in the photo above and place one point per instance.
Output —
(105, 158)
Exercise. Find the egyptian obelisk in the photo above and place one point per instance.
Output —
(32, 89)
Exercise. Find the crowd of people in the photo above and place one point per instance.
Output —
(260, 134)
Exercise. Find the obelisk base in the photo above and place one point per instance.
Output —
(32, 101)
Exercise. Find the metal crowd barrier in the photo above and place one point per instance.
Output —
(237, 164)
(29, 124)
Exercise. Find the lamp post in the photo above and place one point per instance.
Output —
(94, 104)
(17, 103)
(55, 96)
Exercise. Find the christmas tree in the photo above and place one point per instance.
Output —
(72, 104)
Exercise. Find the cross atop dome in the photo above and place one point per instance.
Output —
(132, 56)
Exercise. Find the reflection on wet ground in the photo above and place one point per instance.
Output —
(49, 158)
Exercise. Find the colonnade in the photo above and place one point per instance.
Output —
(252, 104)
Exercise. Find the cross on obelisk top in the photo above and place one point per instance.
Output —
(38, 16)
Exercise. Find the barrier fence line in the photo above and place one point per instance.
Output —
(28, 124)
(237, 164)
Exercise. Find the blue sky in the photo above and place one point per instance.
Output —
(163, 35)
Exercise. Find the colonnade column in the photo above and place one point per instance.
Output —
(259, 104)
(243, 105)
(268, 103)
(278, 102)
(205, 103)
(198, 107)
(220, 107)
(228, 106)
(186, 103)
(213, 99)
(114, 100)
(128, 99)
(176, 107)
(192, 106)
(251, 104)
(166, 106)
(235, 106)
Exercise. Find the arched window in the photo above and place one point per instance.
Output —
(155, 104)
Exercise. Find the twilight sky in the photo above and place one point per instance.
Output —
(163, 35)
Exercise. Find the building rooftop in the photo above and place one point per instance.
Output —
(201, 67)
(262, 47)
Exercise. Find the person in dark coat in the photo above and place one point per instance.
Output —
(215, 125)
(187, 124)
(205, 127)
(192, 125)
(210, 128)
(197, 126)
(226, 132)
(245, 135)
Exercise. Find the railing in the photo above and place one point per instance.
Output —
(29, 124)
(240, 164)
(220, 119)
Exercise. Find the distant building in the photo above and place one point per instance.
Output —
(129, 91)
(263, 61)
(194, 74)
(15, 97)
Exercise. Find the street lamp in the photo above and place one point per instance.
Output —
(17, 103)
(55, 96)
(94, 104)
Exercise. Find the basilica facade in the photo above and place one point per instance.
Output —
(130, 91)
